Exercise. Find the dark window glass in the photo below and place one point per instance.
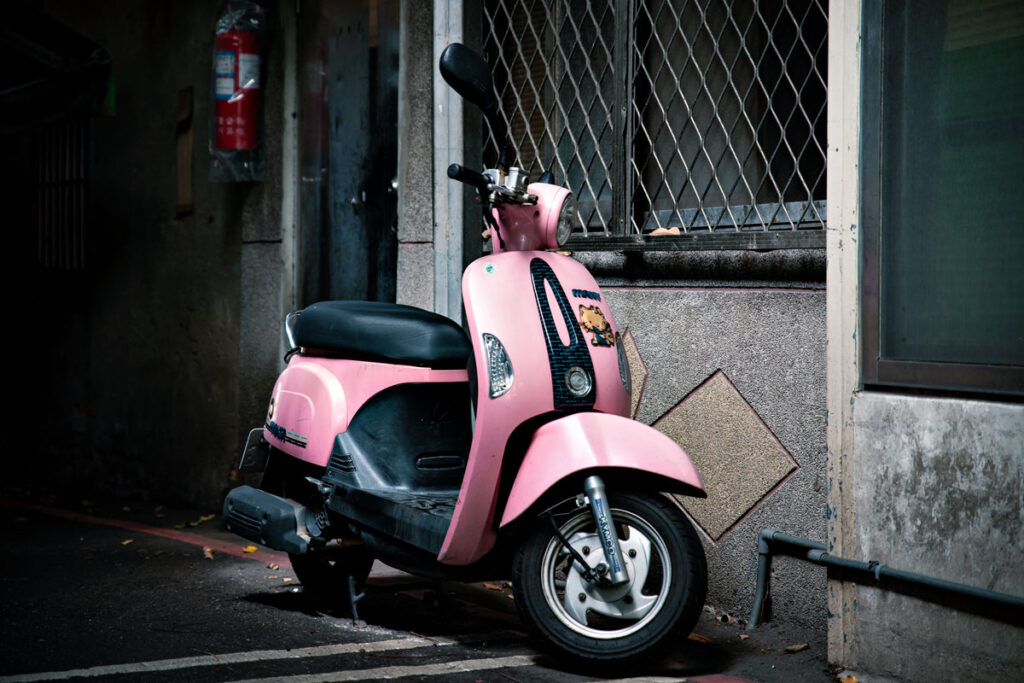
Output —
(949, 238)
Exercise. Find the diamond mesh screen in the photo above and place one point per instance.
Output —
(702, 115)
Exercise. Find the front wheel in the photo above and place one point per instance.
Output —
(613, 624)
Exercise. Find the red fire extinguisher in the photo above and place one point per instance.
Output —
(236, 74)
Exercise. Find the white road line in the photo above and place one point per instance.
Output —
(387, 673)
(408, 642)
(230, 658)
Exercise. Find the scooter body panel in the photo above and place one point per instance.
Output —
(315, 399)
(585, 441)
(565, 323)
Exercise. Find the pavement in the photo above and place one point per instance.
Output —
(129, 592)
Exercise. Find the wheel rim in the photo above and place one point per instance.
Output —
(606, 612)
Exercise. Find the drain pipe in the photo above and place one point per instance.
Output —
(771, 542)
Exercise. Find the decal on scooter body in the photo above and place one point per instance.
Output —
(592, 320)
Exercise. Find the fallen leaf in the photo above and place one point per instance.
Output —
(249, 549)
(208, 552)
(492, 587)
(287, 579)
(657, 232)
(700, 638)
(848, 679)
(202, 518)
(179, 526)
(127, 541)
(271, 565)
(744, 636)
(796, 648)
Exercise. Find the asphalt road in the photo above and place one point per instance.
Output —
(143, 593)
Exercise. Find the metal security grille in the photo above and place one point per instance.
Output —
(707, 116)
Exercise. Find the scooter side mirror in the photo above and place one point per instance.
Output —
(468, 74)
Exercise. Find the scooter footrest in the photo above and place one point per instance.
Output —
(264, 518)
(418, 518)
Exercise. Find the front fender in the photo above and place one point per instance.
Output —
(585, 441)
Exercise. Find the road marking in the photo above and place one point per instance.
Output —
(404, 643)
(229, 658)
(264, 556)
(391, 672)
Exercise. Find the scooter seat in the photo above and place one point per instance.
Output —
(383, 332)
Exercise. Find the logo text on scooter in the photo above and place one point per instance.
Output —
(586, 294)
(285, 435)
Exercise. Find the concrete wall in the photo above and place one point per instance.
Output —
(142, 392)
(940, 491)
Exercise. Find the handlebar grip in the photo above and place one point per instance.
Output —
(468, 176)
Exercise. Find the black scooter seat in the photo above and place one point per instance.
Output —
(383, 332)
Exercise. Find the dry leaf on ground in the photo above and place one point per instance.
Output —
(249, 549)
(208, 552)
(796, 648)
(700, 638)
(127, 541)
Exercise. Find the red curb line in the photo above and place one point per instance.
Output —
(190, 537)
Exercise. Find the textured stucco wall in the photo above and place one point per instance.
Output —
(940, 491)
(770, 345)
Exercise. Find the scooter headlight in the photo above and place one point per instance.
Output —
(578, 381)
(499, 367)
(566, 220)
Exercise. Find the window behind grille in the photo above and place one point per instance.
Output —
(702, 115)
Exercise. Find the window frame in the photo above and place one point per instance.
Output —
(877, 371)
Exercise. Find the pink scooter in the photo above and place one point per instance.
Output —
(502, 451)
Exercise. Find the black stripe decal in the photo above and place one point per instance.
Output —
(561, 357)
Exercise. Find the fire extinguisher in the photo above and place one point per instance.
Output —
(236, 74)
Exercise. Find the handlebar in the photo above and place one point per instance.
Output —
(469, 176)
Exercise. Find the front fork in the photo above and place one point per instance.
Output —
(593, 486)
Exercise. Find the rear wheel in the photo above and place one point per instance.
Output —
(325, 572)
(606, 624)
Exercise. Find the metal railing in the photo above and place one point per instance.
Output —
(707, 116)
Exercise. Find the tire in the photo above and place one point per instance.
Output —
(613, 625)
(324, 573)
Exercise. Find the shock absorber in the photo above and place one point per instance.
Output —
(594, 488)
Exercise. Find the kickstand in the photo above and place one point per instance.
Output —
(353, 598)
